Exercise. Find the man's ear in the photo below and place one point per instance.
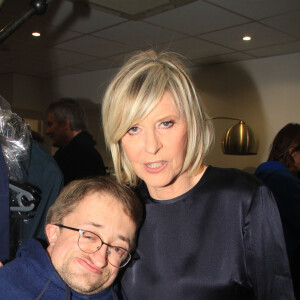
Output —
(52, 232)
(67, 124)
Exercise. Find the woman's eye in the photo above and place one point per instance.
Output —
(167, 124)
(133, 130)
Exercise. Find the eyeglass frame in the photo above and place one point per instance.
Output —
(81, 231)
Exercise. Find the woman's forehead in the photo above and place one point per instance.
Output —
(164, 106)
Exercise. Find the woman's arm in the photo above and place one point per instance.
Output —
(265, 250)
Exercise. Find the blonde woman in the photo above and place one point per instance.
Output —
(209, 233)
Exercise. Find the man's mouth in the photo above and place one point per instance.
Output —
(89, 266)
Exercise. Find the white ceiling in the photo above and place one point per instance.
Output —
(79, 37)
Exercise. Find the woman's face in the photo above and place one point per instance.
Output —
(156, 147)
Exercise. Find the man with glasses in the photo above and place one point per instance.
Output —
(91, 233)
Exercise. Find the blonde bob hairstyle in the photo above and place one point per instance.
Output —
(132, 95)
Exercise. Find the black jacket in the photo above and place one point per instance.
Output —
(79, 159)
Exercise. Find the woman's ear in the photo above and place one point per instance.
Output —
(52, 232)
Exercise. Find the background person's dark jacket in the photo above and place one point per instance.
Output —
(286, 189)
(79, 159)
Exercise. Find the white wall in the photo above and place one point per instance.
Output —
(30, 93)
(25, 94)
(265, 93)
(85, 85)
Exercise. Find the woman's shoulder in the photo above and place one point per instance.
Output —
(230, 179)
(232, 175)
(232, 186)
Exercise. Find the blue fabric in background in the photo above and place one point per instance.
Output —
(4, 210)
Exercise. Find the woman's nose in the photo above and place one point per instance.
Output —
(152, 142)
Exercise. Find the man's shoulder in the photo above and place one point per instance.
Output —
(29, 275)
(18, 276)
(83, 138)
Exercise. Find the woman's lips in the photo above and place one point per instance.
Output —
(156, 166)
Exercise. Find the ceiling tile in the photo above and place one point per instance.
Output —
(62, 57)
(139, 34)
(49, 34)
(63, 72)
(5, 19)
(289, 23)
(195, 18)
(235, 56)
(9, 8)
(258, 9)
(276, 50)
(77, 37)
(15, 47)
(79, 16)
(131, 7)
(94, 46)
(5, 56)
(261, 36)
(193, 48)
(95, 65)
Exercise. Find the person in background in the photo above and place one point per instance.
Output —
(209, 233)
(43, 173)
(91, 231)
(280, 174)
(76, 156)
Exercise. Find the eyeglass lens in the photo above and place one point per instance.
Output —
(90, 243)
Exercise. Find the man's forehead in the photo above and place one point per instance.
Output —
(101, 202)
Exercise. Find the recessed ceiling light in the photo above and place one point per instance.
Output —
(36, 34)
(247, 38)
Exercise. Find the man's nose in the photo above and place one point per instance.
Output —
(100, 257)
(152, 142)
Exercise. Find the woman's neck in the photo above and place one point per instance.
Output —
(178, 187)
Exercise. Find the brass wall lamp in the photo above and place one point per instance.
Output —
(238, 139)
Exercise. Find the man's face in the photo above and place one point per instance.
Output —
(56, 131)
(83, 272)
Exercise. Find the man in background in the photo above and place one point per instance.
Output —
(76, 156)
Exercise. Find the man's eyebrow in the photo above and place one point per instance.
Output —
(121, 237)
(93, 224)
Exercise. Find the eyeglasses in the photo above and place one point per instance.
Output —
(90, 242)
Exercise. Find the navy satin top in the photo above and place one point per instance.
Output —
(222, 240)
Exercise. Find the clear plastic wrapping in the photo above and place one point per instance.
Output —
(15, 140)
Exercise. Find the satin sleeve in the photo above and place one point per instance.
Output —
(265, 251)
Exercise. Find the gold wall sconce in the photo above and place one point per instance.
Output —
(238, 139)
